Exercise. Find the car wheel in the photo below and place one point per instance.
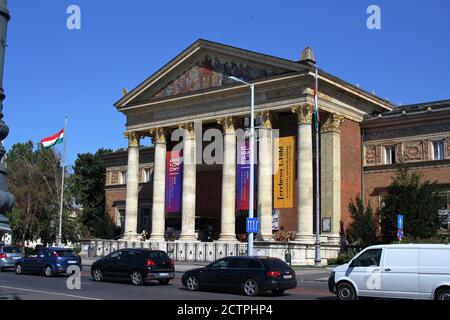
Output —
(19, 269)
(250, 287)
(97, 274)
(443, 294)
(163, 282)
(278, 292)
(192, 283)
(345, 291)
(136, 278)
(48, 271)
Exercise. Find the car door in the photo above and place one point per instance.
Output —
(400, 273)
(238, 270)
(365, 272)
(109, 265)
(28, 261)
(127, 263)
(212, 275)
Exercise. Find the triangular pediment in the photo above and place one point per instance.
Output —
(205, 65)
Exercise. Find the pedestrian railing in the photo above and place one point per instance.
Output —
(179, 251)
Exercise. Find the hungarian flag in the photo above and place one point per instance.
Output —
(316, 102)
(53, 140)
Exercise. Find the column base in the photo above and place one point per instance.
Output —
(187, 238)
(227, 237)
(334, 239)
(157, 237)
(305, 239)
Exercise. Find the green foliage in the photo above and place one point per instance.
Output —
(362, 230)
(342, 258)
(417, 201)
(35, 180)
(87, 185)
(444, 239)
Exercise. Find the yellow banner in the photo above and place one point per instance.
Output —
(284, 166)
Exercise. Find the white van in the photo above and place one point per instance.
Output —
(409, 271)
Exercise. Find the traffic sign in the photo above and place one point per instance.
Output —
(399, 234)
(252, 225)
(400, 221)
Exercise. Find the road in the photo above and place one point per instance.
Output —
(35, 287)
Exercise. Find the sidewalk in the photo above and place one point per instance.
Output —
(302, 273)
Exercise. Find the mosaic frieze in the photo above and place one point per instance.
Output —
(212, 71)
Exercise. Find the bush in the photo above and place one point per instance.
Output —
(342, 258)
(438, 240)
(362, 229)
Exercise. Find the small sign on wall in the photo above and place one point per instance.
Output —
(326, 224)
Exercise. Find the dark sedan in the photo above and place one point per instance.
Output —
(250, 275)
(136, 265)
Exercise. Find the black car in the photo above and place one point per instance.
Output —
(251, 275)
(137, 265)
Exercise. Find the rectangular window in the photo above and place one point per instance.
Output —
(146, 175)
(389, 155)
(123, 177)
(438, 150)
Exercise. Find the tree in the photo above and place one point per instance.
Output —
(362, 230)
(88, 187)
(35, 180)
(417, 201)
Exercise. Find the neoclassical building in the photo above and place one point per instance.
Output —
(194, 91)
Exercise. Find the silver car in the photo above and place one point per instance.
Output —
(9, 255)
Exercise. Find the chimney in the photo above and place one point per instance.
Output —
(307, 56)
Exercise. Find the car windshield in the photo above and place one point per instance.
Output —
(65, 253)
(11, 249)
(276, 264)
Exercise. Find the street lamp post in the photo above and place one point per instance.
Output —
(6, 198)
(252, 159)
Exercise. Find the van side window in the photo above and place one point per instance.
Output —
(370, 258)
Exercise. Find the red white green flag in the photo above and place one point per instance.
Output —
(53, 140)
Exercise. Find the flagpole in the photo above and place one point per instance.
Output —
(317, 259)
(63, 165)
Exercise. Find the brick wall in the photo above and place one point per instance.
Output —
(376, 181)
(350, 166)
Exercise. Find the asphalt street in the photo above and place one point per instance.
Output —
(36, 287)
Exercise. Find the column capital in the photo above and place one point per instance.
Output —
(266, 119)
(304, 112)
(189, 129)
(133, 138)
(228, 124)
(332, 123)
(158, 135)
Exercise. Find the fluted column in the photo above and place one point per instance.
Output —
(265, 179)
(159, 185)
(330, 184)
(189, 185)
(131, 206)
(304, 173)
(228, 208)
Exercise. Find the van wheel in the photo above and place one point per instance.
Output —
(345, 291)
(48, 271)
(443, 294)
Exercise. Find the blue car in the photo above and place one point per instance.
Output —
(48, 261)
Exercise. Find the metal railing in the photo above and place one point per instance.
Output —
(179, 251)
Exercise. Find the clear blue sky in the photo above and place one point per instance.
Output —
(52, 72)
